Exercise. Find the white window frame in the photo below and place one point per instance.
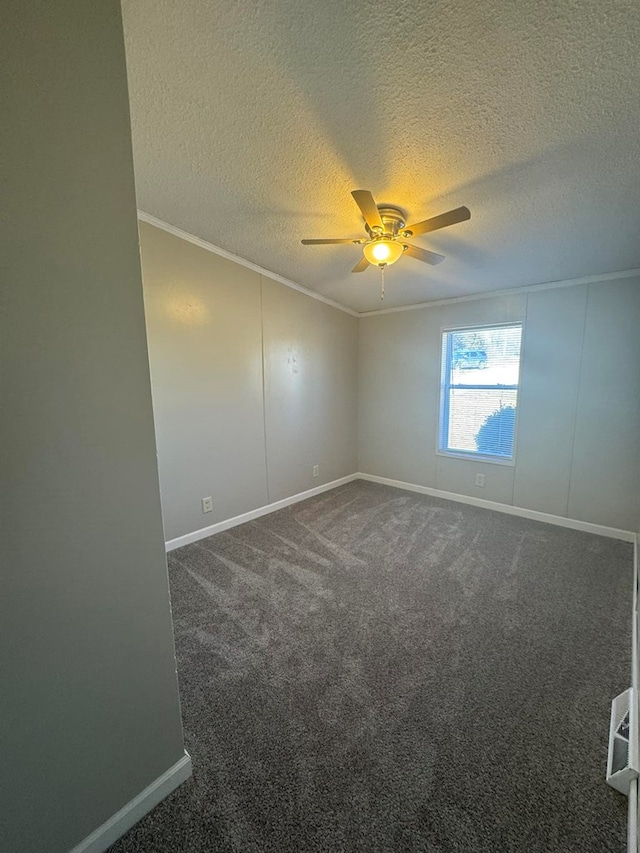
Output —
(446, 386)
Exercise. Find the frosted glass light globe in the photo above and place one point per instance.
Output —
(382, 251)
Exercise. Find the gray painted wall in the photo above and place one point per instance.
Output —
(605, 481)
(311, 390)
(205, 345)
(89, 712)
(577, 451)
(253, 384)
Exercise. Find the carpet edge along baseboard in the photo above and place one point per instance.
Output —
(521, 512)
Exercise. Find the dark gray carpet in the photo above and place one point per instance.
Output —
(374, 670)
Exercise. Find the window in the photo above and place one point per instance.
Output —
(479, 391)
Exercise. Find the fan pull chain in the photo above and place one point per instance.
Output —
(382, 266)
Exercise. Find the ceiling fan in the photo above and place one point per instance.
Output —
(387, 230)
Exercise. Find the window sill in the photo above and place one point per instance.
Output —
(477, 457)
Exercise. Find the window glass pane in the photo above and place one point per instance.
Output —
(480, 369)
(482, 421)
(486, 356)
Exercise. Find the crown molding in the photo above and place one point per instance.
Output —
(512, 291)
(223, 253)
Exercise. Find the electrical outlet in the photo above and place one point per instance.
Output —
(207, 504)
(316, 470)
(480, 480)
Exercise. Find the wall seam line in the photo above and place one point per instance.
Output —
(523, 349)
(264, 391)
(357, 435)
(577, 400)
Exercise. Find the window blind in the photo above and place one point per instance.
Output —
(479, 391)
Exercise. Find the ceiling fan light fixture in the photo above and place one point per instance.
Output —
(385, 225)
(382, 251)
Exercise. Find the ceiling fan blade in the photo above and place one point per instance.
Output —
(423, 255)
(460, 214)
(361, 266)
(356, 240)
(367, 205)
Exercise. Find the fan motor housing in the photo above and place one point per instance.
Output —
(393, 218)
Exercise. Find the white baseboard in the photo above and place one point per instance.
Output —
(107, 834)
(632, 820)
(633, 817)
(559, 520)
(188, 538)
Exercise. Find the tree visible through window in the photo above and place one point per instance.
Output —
(479, 391)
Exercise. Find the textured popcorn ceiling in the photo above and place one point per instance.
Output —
(252, 121)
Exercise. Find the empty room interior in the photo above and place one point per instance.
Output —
(321, 485)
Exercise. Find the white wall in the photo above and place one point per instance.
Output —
(253, 384)
(311, 404)
(89, 712)
(578, 448)
(605, 480)
(204, 322)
